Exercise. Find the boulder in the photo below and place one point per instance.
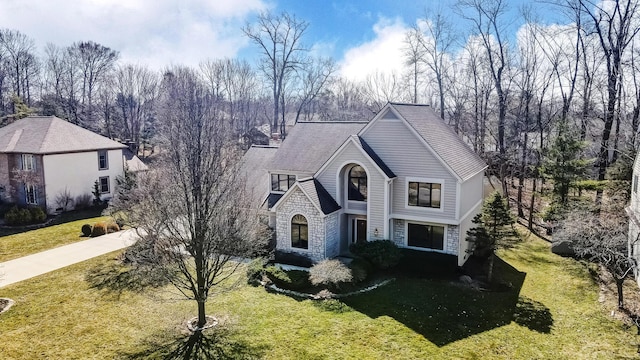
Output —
(563, 248)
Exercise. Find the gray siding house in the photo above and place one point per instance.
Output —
(404, 176)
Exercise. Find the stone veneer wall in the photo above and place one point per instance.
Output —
(332, 232)
(298, 203)
(452, 241)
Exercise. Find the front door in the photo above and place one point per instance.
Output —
(358, 230)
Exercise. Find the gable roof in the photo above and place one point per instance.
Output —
(51, 135)
(376, 159)
(254, 168)
(133, 162)
(310, 144)
(315, 192)
(454, 152)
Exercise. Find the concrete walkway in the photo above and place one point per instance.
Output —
(23, 268)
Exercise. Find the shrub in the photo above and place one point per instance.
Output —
(360, 269)
(382, 254)
(99, 229)
(278, 276)
(112, 227)
(331, 273)
(12, 216)
(37, 214)
(86, 230)
(24, 216)
(292, 258)
(299, 279)
(255, 269)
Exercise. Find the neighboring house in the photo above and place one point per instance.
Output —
(404, 176)
(633, 210)
(44, 159)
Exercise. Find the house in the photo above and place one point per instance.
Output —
(48, 162)
(633, 210)
(404, 176)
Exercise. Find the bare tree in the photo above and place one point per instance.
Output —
(194, 212)
(413, 52)
(615, 24)
(601, 239)
(22, 64)
(280, 41)
(313, 79)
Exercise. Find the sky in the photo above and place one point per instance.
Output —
(362, 36)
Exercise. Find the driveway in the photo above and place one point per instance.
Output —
(23, 268)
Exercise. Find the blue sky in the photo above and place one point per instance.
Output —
(360, 35)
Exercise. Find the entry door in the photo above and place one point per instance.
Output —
(358, 230)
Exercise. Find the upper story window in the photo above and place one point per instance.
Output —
(282, 182)
(357, 184)
(103, 160)
(425, 194)
(28, 162)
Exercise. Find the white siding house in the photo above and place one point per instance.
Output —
(404, 176)
(56, 157)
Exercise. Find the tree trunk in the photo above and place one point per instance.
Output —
(532, 204)
(619, 283)
(202, 317)
(490, 271)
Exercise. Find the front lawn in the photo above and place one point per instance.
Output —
(554, 315)
(64, 230)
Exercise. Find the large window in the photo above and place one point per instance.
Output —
(357, 184)
(28, 162)
(104, 184)
(424, 194)
(103, 160)
(282, 182)
(425, 236)
(299, 232)
(31, 194)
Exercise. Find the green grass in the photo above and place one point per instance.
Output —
(58, 315)
(65, 230)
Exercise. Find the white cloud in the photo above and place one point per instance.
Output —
(383, 54)
(153, 32)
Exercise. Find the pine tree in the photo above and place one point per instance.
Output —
(494, 228)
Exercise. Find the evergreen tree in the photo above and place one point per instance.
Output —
(494, 228)
(563, 163)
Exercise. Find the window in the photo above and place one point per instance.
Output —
(282, 182)
(357, 184)
(31, 194)
(104, 184)
(299, 232)
(425, 236)
(424, 194)
(103, 160)
(28, 162)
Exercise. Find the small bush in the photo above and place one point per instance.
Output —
(83, 201)
(291, 279)
(382, 254)
(37, 214)
(330, 273)
(99, 229)
(291, 258)
(12, 217)
(278, 276)
(360, 269)
(299, 279)
(112, 227)
(24, 216)
(255, 270)
(86, 230)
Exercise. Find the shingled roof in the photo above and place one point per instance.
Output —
(319, 195)
(310, 144)
(463, 161)
(254, 168)
(51, 135)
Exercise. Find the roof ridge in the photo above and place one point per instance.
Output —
(408, 104)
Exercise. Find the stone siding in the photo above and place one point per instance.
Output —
(398, 232)
(453, 239)
(333, 235)
(298, 203)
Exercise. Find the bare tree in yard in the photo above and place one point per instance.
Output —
(602, 239)
(135, 88)
(193, 210)
(312, 80)
(486, 16)
(615, 24)
(413, 53)
(21, 63)
(279, 38)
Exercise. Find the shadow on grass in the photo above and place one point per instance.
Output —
(216, 343)
(444, 311)
(117, 277)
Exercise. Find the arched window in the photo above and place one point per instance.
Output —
(299, 232)
(357, 184)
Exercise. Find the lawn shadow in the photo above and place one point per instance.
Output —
(215, 343)
(445, 311)
(533, 314)
(116, 277)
